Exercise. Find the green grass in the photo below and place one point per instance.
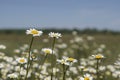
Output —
(14, 41)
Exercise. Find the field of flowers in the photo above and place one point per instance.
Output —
(58, 57)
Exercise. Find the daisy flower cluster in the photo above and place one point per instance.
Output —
(77, 58)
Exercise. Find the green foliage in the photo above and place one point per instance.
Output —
(46, 31)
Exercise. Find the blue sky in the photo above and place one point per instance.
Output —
(100, 14)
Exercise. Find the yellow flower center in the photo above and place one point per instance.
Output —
(84, 69)
(71, 59)
(98, 56)
(47, 51)
(62, 62)
(22, 60)
(34, 32)
(86, 78)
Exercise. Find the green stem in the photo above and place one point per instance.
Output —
(64, 72)
(82, 72)
(97, 69)
(28, 58)
(56, 75)
(43, 61)
(30, 64)
(19, 72)
(53, 44)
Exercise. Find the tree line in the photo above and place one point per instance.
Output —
(65, 31)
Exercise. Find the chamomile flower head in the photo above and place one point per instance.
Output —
(86, 77)
(54, 35)
(1, 65)
(98, 56)
(63, 61)
(13, 75)
(22, 60)
(71, 60)
(67, 60)
(34, 32)
(2, 46)
(47, 50)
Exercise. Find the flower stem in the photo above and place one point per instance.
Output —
(28, 58)
(53, 44)
(19, 72)
(43, 61)
(64, 72)
(97, 69)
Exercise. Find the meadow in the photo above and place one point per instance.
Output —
(89, 57)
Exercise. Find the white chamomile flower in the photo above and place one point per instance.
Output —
(22, 60)
(69, 59)
(54, 35)
(98, 56)
(86, 77)
(63, 61)
(13, 75)
(47, 50)
(2, 46)
(1, 65)
(34, 32)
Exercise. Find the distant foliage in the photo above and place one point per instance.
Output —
(83, 31)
